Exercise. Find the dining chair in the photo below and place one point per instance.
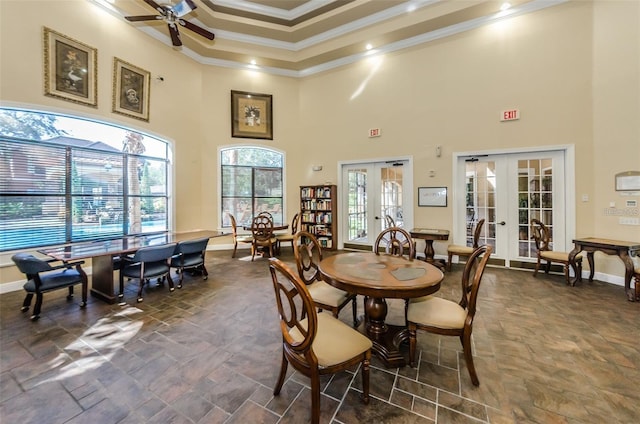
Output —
(146, 263)
(315, 344)
(189, 254)
(465, 251)
(288, 237)
(41, 279)
(238, 238)
(262, 230)
(395, 241)
(448, 318)
(308, 254)
(542, 237)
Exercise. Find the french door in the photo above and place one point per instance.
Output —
(369, 192)
(508, 190)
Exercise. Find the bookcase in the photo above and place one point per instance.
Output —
(318, 213)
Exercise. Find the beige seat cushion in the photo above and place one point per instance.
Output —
(335, 341)
(460, 250)
(245, 239)
(284, 237)
(555, 256)
(436, 312)
(322, 292)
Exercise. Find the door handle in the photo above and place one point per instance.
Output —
(502, 223)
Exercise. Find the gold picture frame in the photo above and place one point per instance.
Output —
(70, 69)
(251, 115)
(130, 90)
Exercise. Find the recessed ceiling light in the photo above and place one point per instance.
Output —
(369, 46)
(253, 61)
(505, 6)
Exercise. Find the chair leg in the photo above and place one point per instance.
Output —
(365, 377)
(354, 308)
(535, 271)
(70, 295)
(235, 247)
(566, 273)
(282, 376)
(468, 357)
(449, 258)
(253, 252)
(27, 301)
(121, 294)
(37, 307)
(85, 287)
(412, 344)
(205, 274)
(170, 280)
(140, 298)
(181, 276)
(315, 398)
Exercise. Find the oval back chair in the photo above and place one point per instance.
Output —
(314, 344)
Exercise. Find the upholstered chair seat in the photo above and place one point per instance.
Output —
(335, 342)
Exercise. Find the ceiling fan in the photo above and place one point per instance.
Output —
(172, 15)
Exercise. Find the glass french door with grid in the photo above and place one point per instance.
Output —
(370, 192)
(507, 191)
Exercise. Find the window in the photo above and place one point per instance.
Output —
(251, 183)
(65, 179)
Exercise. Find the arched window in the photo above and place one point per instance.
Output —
(65, 179)
(251, 181)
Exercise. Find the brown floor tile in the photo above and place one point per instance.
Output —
(210, 353)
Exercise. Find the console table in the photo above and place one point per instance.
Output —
(623, 249)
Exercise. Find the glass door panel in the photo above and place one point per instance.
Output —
(370, 192)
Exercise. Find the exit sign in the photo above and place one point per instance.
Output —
(374, 132)
(510, 115)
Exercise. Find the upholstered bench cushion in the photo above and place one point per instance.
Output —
(437, 312)
(326, 294)
(335, 341)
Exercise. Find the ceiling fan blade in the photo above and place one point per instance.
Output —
(184, 7)
(197, 29)
(175, 35)
(155, 6)
(143, 18)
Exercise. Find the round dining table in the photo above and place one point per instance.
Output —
(379, 277)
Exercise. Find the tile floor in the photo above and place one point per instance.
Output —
(210, 353)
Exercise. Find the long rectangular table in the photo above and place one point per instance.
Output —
(623, 249)
(102, 253)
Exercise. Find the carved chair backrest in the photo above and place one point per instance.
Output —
(308, 254)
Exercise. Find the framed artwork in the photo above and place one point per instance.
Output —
(130, 90)
(70, 69)
(251, 115)
(432, 196)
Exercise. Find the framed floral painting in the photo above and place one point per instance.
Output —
(251, 115)
(130, 90)
(70, 69)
